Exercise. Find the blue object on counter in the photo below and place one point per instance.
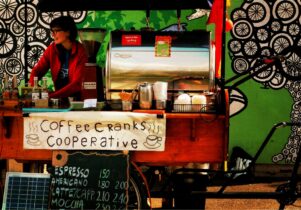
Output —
(31, 110)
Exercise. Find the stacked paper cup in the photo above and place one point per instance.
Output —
(160, 94)
(198, 103)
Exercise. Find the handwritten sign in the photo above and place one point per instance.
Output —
(94, 131)
(89, 181)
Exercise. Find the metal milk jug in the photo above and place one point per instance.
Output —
(145, 95)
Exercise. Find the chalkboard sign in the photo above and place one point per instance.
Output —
(83, 180)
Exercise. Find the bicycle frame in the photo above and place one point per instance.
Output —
(285, 194)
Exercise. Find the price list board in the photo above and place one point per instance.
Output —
(88, 180)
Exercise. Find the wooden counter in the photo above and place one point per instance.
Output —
(201, 138)
(11, 135)
(190, 137)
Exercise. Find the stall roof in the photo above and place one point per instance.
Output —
(76, 5)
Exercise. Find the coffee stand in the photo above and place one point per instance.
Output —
(156, 152)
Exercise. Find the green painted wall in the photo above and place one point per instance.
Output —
(265, 108)
(126, 20)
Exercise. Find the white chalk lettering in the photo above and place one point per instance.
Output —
(68, 204)
(76, 193)
(103, 196)
(70, 182)
(72, 171)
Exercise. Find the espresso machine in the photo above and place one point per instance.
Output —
(132, 62)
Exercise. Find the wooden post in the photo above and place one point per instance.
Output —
(14, 166)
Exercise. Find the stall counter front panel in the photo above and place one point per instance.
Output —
(11, 134)
(190, 137)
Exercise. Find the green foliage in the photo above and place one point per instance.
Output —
(127, 20)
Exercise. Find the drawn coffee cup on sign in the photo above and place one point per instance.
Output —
(33, 139)
(152, 141)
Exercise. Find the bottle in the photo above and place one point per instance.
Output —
(6, 90)
(44, 91)
(35, 90)
(15, 90)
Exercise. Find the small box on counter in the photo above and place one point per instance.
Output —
(41, 103)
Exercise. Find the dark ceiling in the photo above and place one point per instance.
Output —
(77, 5)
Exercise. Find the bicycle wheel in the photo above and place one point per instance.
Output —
(13, 66)
(8, 43)
(7, 9)
(137, 192)
(292, 69)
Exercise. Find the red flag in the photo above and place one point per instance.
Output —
(216, 17)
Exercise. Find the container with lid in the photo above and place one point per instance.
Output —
(145, 95)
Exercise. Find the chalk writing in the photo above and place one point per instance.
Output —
(90, 181)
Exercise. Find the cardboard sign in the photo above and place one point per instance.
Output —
(95, 131)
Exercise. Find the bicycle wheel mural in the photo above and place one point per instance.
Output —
(271, 28)
(14, 15)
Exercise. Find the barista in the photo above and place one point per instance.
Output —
(66, 59)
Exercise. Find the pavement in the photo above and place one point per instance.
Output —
(266, 185)
(249, 204)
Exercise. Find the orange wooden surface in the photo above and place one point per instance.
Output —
(11, 138)
(194, 139)
(197, 137)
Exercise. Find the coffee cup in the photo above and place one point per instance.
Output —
(126, 105)
(160, 104)
(152, 140)
(33, 139)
